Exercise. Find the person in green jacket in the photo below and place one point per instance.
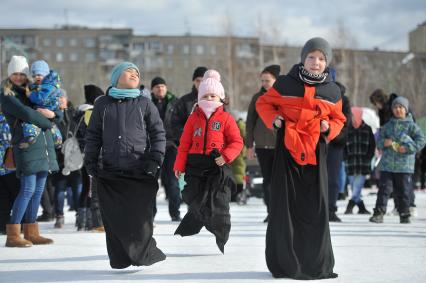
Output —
(400, 138)
(238, 167)
(34, 162)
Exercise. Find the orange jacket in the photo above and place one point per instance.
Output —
(302, 113)
(201, 135)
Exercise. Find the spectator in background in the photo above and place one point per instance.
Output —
(335, 159)
(165, 102)
(33, 162)
(9, 184)
(88, 214)
(400, 138)
(259, 139)
(359, 151)
(185, 104)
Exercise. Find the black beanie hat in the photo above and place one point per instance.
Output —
(273, 70)
(317, 43)
(91, 92)
(199, 72)
(157, 81)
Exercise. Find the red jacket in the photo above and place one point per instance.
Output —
(201, 135)
(303, 107)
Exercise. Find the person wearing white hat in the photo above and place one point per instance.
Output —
(32, 163)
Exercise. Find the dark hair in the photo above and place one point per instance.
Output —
(378, 96)
(342, 87)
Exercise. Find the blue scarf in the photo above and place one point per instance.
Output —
(122, 93)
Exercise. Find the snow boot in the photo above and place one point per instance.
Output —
(362, 209)
(59, 222)
(14, 239)
(31, 233)
(377, 216)
(350, 207)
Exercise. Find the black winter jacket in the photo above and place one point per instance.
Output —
(340, 140)
(181, 113)
(171, 102)
(123, 129)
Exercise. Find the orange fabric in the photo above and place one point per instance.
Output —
(201, 135)
(302, 117)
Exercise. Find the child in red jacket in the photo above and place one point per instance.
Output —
(210, 141)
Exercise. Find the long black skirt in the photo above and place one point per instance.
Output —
(127, 212)
(298, 243)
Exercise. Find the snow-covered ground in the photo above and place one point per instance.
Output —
(364, 252)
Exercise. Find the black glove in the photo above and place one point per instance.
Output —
(152, 164)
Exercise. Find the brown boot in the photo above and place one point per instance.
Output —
(32, 234)
(14, 239)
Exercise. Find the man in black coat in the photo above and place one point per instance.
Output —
(165, 102)
(335, 158)
(185, 104)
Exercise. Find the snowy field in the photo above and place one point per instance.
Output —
(364, 252)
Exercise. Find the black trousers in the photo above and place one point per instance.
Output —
(48, 198)
(266, 160)
(400, 184)
(334, 165)
(170, 182)
(9, 189)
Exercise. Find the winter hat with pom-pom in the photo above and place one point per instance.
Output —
(211, 84)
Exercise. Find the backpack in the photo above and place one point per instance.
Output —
(73, 157)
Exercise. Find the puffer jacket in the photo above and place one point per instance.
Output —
(4, 142)
(171, 102)
(129, 132)
(404, 132)
(39, 156)
(202, 136)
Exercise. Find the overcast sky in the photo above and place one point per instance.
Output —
(366, 23)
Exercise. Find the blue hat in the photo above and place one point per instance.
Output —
(40, 67)
(117, 70)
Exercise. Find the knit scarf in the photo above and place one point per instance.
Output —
(309, 78)
(122, 93)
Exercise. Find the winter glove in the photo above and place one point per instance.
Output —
(152, 164)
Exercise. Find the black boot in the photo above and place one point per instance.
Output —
(377, 216)
(362, 209)
(332, 217)
(81, 218)
(404, 218)
(350, 207)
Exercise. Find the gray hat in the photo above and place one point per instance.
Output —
(317, 43)
(401, 101)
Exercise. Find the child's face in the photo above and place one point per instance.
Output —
(315, 62)
(211, 97)
(128, 79)
(38, 79)
(399, 111)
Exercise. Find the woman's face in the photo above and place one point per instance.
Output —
(128, 79)
(18, 79)
(267, 80)
(315, 62)
(211, 97)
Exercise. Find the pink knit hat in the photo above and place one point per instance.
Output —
(211, 84)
